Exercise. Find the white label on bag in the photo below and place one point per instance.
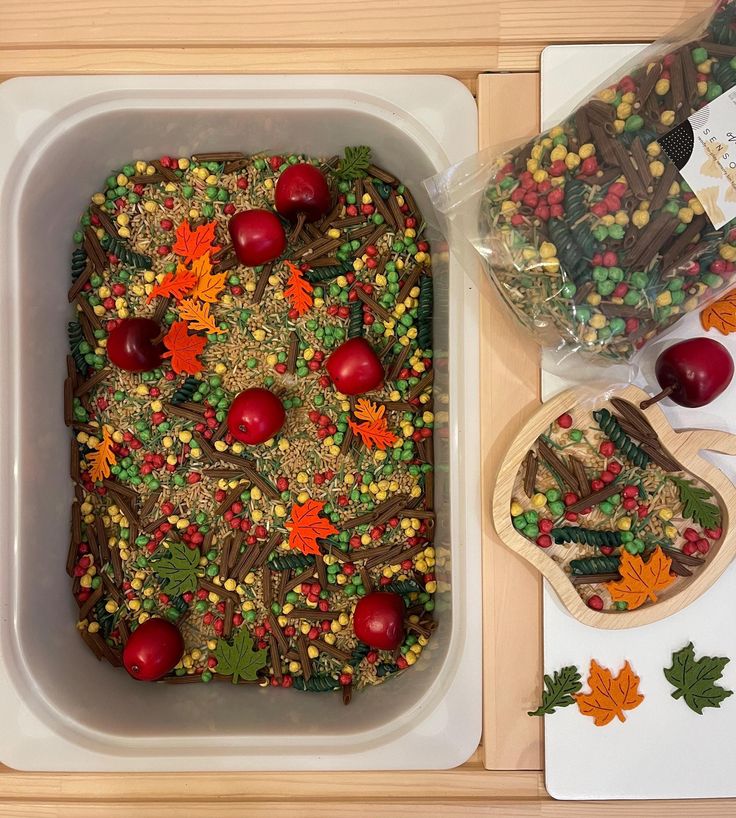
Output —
(703, 148)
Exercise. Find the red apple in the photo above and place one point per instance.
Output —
(379, 620)
(129, 345)
(302, 188)
(258, 237)
(355, 368)
(255, 416)
(153, 650)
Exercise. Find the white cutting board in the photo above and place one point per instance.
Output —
(664, 749)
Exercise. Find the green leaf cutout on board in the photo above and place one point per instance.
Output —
(694, 679)
(354, 165)
(238, 659)
(178, 568)
(695, 503)
(558, 690)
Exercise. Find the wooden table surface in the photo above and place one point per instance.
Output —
(479, 42)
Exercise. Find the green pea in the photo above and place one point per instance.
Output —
(714, 91)
(582, 315)
(557, 508)
(148, 604)
(206, 675)
(553, 495)
(615, 274)
(568, 290)
(212, 570)
(519, 522)
(201, 606)
(531, 531)
(634, 123)
(639, 280)
(606, 287)
(617, 325)
(96, 582)
(600, 273)
(713, 280)
(377, 218)
(621, 606)
(531, 516)
(600, 233)
(576, 435)
(606, 508)
(187, 191)
(632, 298)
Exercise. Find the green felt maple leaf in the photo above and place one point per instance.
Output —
(694, 679)
(178, 569)
(354, 165)
(238, 659)
(695, 503)
(558, 690)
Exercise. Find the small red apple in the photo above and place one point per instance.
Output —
(129, 345)
(258, 237)
(302, 188)
(379, 620)
(355, 368)
(255, 416)
(153, 650)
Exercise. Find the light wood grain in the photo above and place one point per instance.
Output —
(508, 107)
(684, 447)
(43, 23)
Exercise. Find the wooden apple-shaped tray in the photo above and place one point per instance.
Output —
(615, 508)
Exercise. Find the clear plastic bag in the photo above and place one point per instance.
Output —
(588, 230)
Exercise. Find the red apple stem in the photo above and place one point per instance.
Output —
(666, 392)
(301, 218)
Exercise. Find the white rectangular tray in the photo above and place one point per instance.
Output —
(664, 749)
(59, 708)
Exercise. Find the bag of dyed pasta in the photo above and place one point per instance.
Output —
(589, 230)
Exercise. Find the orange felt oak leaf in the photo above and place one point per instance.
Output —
(641, 580)
(208, 285)
(192, 244)
(609, 695)
(198, 316)
(721, 314)
(102, 458)
(373, 431)
(183, 349)
(298, 290)
(305, 527)
(175, 284)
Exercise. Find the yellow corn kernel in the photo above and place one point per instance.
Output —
(624, 524)
(640, 218)
(587, 150)
(664, 299)
(665, 514)
(598, 321)
(670, 532)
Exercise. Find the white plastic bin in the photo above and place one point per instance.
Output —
(62, 710)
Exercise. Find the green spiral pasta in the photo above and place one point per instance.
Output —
(594, 565)
(424, 312)
(587, 536)
(408, 586)
(186, 391)
(76, 337)
(569, 251)
(320, 274)
(128, 256)
(317, 684)
(386, 669)
(355, 322)
(79, 262)
(286, 562)
(623, 443)
(576, 209)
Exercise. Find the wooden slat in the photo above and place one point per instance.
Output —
(38, 23)
(508, 107)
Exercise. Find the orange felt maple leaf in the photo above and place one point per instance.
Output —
(609, 695)
(721, 314)
(102, 458)
(183, 349)
(641, 580)
(192, 244)
(175, 284)
(298, 289)
(374, 430)
(198, 316)
(208, 285)
(305, 527)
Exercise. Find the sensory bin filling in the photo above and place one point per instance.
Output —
(301, 559)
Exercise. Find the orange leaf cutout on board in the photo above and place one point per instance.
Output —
(198, 316)
(183, 349)
(609, 696)
(175, 284)
(641, 580)
(102, 458)
(192, 244)
(208, 285)
(305, 527)
(721, 314)
(298, 289)
(374, 430)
